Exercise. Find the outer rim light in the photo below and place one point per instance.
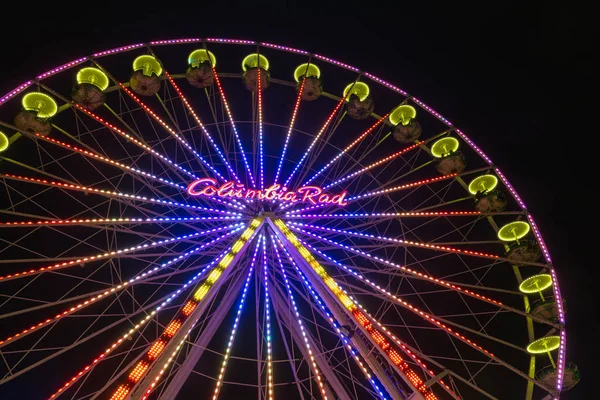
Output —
(444, 147)
(253, 60)
(93, 76)
(513, 231)
(360, 89)
(402, 114)
(148, 65)
(544, 345)
(42, 103)
(301, 70)
(4, 142)
(536, 283)
(200, 56)
(483, 183)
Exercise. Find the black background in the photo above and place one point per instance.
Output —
(516, 77)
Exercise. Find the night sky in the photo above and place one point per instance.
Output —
(516, 80)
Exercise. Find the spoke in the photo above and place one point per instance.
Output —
(202, 127)
(238, 315)
(267, 315)
(290, 129)
(260, 132)
(235, 132)
(113, 253)
(347, 148)
(45, 221)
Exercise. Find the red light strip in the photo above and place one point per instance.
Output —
(289, 132)
(201, 125)
(375, 164)
(170, 130)
(325, 125)
(100, 256)
(68, 186)
(239, 142)
(400, 241)
(405, 186)
(350, 146)
(134, 140)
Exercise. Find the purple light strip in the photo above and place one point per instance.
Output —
(175, 41)
(234, 41)
(15, 91)
(285, 48)
(118, 50)
(339, 64)
(62, 67)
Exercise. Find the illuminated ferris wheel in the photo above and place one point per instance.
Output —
(231, 219)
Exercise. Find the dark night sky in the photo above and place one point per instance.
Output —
(516, 79)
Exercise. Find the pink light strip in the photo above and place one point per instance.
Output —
(15, 91)
(118, 50)
(62, 67)
(234, 41)
(175, 41)
(339, 64)
(285, 48)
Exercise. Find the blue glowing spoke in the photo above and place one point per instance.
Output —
(172, 132)
(312, 363)
(350, 146)
(325, 125)
(204, 130)
(235, 325)
(334, 323)
(268, 320)
(237, 136)
(290, 129)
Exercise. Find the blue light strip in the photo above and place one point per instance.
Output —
(334, 323)
(268, 321)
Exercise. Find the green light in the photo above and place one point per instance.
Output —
(148, 65)
(513, 231)
(536, 283)
(483, 183)
(359, 88)
(201, 56)
(253, 61)
(544, 345)
(3, 141)
(308, 70)
(40, 102)
(93, 76)
(444, 147)
(403, 114)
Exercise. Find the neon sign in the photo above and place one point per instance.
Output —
(306, 194)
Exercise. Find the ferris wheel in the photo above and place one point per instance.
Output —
(232, 219)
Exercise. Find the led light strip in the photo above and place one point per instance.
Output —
(375, 164)
(201, 125)
(299, 320)
(325, 125)
(141, 367)
(93, 299)
(405, 186)
(171, 131)
(113, 221)
(235, 132)
(349, 304)
(334, 323)
(350, 146)
(147, 318)
(134, 140)
(112, 193)
(260, 131)
(101, 256)
(235, 325)
(392, 240)
(400, 214)
(290, 129)
(268, 320)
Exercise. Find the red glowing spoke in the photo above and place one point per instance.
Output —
(110, 193)
(398, 241)
(110, 254)
(373, 165)
(347, 148)
(171, 131)
(202, 127)
(235, 132)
